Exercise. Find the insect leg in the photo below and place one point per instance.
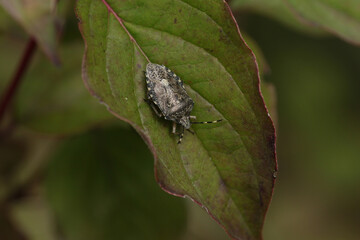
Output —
(193, 117)
(153, 107)
(174, 128)
(181, 136)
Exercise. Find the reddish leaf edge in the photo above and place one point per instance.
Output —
(303, 20)
(147, 140)
(267, 110)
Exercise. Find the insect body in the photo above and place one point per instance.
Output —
(168, 97)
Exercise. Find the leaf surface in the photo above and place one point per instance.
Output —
(339, 17)
(101, 186)
(226, 167)
(38, 19)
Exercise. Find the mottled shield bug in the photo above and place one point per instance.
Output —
(167, 96)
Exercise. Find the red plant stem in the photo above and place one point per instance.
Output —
(21, 69)
(123, 26)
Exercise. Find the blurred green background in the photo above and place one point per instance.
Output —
(318, 130)
(55, 184)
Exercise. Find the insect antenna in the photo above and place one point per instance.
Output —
(216, 121)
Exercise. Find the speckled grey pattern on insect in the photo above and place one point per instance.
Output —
(167, 96)
(167, 92)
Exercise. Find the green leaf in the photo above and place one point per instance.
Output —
(276, 9)
(226, 167)
(38, 19)
(339, 17)
(101, 186)
(53, 100)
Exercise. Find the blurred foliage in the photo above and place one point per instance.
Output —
(101, 186)
(38, 20)
(23, 157)
(339, 17)
(69, 108)
(318, 133)
(7, 229)
(12, 153)
(33, 217)
(51, 100)
(12, 44)
(22, 161)
(276, 9)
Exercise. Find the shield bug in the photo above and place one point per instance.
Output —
(167, 96)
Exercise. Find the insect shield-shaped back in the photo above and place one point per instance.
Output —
(167, 92)
(168, 97)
